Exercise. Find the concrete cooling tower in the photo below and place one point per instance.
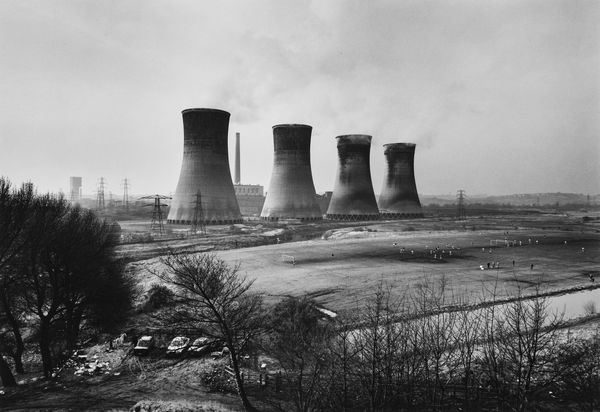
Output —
(353, 197)
(205, 192)
(291, 193)
(399, 197)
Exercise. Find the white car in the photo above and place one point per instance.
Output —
(178, 345)
(201, 346)
(144, 345)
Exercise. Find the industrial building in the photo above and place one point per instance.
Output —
(75, 184)
(205, 190)
(291, 193)
(250, 198)
(399, 197)
(323, 201)
(353, 197)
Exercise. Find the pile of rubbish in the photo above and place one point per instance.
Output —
(93, 368)
(83, 366)
(218, 380)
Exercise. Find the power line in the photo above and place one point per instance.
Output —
(126, 185)
(157, 213)
(100, 196)
(198, 221)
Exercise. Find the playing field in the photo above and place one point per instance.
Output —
(345, 266)
(342, 271)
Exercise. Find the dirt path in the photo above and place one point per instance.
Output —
(162, 380)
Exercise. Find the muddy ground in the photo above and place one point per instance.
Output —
(128, 380)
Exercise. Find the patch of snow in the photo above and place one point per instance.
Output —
(327, 312)
(273, 232)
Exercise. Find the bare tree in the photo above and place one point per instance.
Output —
(577, 365)
(518, 343)
(15, 212)
(63, 275)
(344, 353)
(213, 296)
(467, 341)
(437, 329)
(93, 289)
(380, 342)
(300, 341)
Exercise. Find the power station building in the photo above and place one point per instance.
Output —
(251, 198)
(399, 197)
(353, 197)
(205, 190)
(291, 193)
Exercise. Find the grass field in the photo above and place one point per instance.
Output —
(344, 267)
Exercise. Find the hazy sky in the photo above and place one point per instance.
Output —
(499, 96)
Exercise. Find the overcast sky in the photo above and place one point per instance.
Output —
(500, 96)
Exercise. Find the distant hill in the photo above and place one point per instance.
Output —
(526, 199)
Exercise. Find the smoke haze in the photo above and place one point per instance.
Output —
(499, 96)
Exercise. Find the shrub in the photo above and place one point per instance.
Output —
(158, 296)
(177, 406)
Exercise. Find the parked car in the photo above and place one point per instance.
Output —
(178, 346)
(223, 351)
(144, 345)
(201, 346)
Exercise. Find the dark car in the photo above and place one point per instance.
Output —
(144, 345)
(220, 351)
(201, 346)
(178, 346)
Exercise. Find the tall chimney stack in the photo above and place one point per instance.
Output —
(237, 179)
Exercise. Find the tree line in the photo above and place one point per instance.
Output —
(58, 277)
(391, 353)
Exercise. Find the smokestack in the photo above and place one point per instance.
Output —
(205, 171)
(291, 193)
(353, 197)
(237, 159)
(399, 197)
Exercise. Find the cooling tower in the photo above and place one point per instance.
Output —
(205, 192)
(399, 196)
(291, 193)
(353, 197)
